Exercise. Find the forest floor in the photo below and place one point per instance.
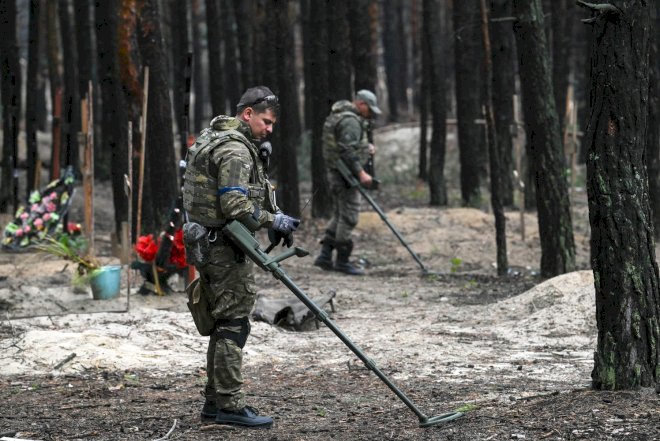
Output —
(513, 353)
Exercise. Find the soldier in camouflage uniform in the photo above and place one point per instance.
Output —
(345, 137)
(225, 181)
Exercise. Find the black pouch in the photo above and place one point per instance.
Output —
(196, 242)
(199, 308)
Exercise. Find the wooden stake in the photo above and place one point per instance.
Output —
(518, 172)
(128, 183)
(56, 132)
(143, 148)
(87, 114)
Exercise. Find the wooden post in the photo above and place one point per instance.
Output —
(143, 148)
(128, 183)
(518, 175)
(56, 133)
(87, 114)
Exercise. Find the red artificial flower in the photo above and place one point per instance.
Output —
(178, 252)
(146, 247)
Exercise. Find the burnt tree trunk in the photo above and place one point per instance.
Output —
(363, 44)
(542, 127)
(468, 62)
(306, 31)
(246, 43)
(34, 81)
(339, 51)
(318, 89)
(562, 25)
(390, 51)
(653, 128)
(216, 72)
(432, 26)
(622, 241)
(10, 89)
(503, 54)
(115, 112)
(200, 91)
(180, 43)
(232, 76)
(71, 96)
(161, 181)
(55, 78)
(288, 196)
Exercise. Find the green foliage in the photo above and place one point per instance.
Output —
(467, 408)
(68, 248)
(455, 264)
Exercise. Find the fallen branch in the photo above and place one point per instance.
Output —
(70, 357)
(600, 7)
(167, 435)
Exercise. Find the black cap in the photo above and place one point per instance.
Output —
(255, 95)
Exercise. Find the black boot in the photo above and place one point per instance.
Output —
(209, 411)
(324, 261)
(247, 417)
(344, 250)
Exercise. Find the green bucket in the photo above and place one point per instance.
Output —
(106, 282)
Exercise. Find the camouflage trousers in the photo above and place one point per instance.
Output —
(346, 208)
(232, 294)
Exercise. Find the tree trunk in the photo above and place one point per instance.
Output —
(306, 31)
(390, 50)
(180, 43)
(318, 89)
(71, 96)
(503, 51)
(363, 44)
(35, 81)
(232, 76)
(288, 196)
(216, 73)
(161, 179)
(653, 128)
(622, 242)
(115, 113)
(339, 51)
(249, 74)
(55, 79)
(562, 25)
(468, 62)
(496, 170)
(10, 89)
(200, 91)
(542, 127)
(432, 26)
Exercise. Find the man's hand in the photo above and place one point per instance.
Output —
(285, 224)
(275, 237)
(365, 178)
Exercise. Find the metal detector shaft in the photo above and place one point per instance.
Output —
(249, 245)
(353, 182)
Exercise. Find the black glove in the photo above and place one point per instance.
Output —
(275, 237)
(285, 224)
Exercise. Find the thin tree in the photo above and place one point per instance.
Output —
(199, 80)
(542, 127)
(180, 48)
(318, 89)
(55, 79)
(289, 123)
(232, 75)
(653, 130)
(433, 53)
(503, 55)
(496, 169)
(467, 53)
(115, 112)
(247, 49)
(391, 61)
(71, 97)
(339, 51)
(215, 44)
(622, 241)
(363, 44)
(562, 28)
(161, 181)
(31, 99)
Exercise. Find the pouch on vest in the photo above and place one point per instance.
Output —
(196, 242)
(200, 308)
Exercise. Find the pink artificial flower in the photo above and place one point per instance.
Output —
(19, 232)
(24, 216)
(38, 222)
(53, 195)
(51, 207)
(34, 207)
(47, 217)
(27, 229)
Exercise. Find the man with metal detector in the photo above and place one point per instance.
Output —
(225, 181)
(346, 138)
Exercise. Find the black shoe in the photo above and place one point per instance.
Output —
(348, 268)
(324, 263)
(209, 411)
(247, 416)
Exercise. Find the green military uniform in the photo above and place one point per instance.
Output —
(345, 137)
(225, 180)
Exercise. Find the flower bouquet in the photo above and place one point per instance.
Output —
(71, 249)
(154, 263)
(42, 216)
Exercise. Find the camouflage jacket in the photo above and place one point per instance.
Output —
(225, 178)
(345, 136)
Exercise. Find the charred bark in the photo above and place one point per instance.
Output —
(216, 73)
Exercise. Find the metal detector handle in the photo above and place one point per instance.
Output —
(352, 181)
(243, 239)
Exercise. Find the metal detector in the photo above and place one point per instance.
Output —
(242, 238)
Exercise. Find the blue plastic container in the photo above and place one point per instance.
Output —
(106, 282)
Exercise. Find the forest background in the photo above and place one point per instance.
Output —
(430, 62)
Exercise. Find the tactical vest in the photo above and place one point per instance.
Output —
(331, 150)
(200, 189)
